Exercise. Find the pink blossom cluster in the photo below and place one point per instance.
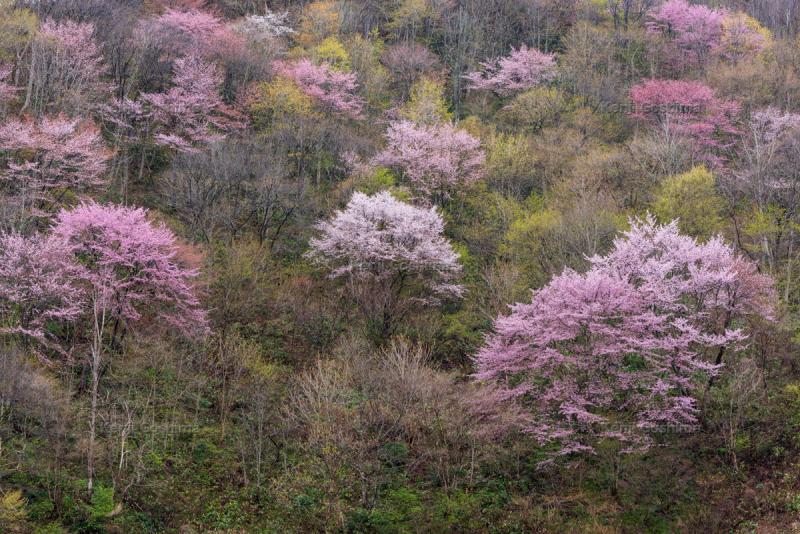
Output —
(335, 91)
(191, 112)
(264, 28)
(97, 257)
(617, 352)
(739, 38)
(437, 159)
(66, 69)
(37, 285)
(187, 31)
(766, 173)
(133, 264)
(694, 32)
(771, 124)
(79, 50)
(39, 158)
(522, 69)
(690, 109)
(378, 237)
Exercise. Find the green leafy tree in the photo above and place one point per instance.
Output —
(691, 198)
(427, 104)
(12, 512)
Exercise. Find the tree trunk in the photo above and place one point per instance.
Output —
(97, 349)
(92, 420)
(29, 86)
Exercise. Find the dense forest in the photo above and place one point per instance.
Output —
(394, 266)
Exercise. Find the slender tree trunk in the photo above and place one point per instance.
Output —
(29, 88)
(97, 350)
(789, 266)
(141, 166)
(717, 361)
(92, 421)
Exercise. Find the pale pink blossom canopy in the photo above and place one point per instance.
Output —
(378, 236)
(333, 90)
(617, 352)
(522, 69)
(437, 159)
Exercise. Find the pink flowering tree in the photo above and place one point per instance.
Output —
(103, 270)
(689, 109)
(66, 69)
(766, 180)
(437, 160)
(522, 69)
(192, 112)
(131, 274)
(762, 176)
(392, 255)
(180, 32)
(132, 267)
(184, 31)
(42, 161)
(688, 34)
(742, 37)
(263, 29)
(38, 289)
(771, 125)
(334, 91)
(624, 350)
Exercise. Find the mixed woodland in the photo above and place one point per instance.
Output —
(396, 266)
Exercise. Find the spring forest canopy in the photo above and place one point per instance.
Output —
(399, 266)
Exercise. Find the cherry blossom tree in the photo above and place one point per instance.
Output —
(742, 36)
(183, 31)
(671, 266)
(133, 269)
(37, 287)
(689, 109)
(41, 161)
(771, 124)
(180, 32)
(66, 69)
(522, 69)
(334, 91)
(618, 352)
(436, 159)
(131, 273)
(105, 268)
(689, 33)
(264, 28)
(393, 256)
(761, 176)
(767, 179)
(191, 112)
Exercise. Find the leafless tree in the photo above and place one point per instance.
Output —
(231, 188)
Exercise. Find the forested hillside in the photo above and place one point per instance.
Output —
(399, 266)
